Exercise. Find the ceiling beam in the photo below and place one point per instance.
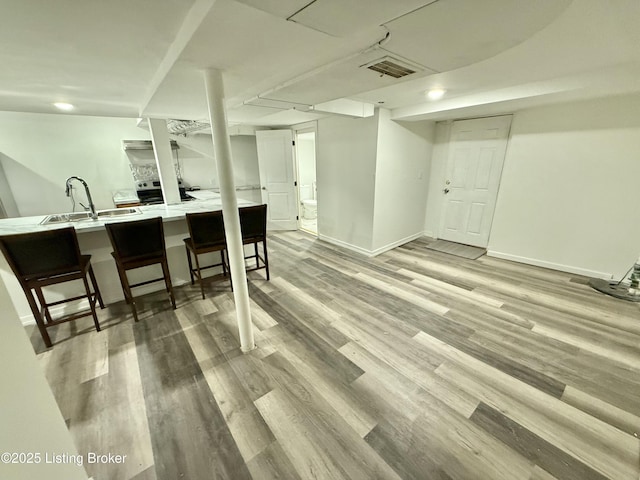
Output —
(192, 21)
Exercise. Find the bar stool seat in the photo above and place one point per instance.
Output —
(206, 230)
(42, 259)
(253, 223)
(137, 244)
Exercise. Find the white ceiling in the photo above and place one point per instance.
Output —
(145, 58)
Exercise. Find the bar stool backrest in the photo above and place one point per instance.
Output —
(206, 228)
(40, 254)
(137, 239)
(253, 222)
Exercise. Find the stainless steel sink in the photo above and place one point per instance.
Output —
(80, 216)
(66, 217)
(118, 212)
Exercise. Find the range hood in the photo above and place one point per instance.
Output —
(144, 145)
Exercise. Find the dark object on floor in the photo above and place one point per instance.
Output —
(206, 230)
(618, 290)
(139, 244)
(40, 259)
(457, 249)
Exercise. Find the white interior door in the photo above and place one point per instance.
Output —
(275, 160)
(476, 155)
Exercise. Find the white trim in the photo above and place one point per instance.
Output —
(551, 265)
(370, 253)
(393, 245)
(429, 233)
(348, 246)
(27, 320)
(59, 310)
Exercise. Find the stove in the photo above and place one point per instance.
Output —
(150, 193)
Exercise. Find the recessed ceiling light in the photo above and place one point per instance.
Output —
(63, 106)
(436, 93)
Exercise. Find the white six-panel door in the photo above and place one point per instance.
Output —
(476, 155)
(275, 161)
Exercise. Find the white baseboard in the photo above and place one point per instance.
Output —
(429, 233)
(551, 265)
(395, 244)
(348, 246)
(60, 310)
(27, 320)
(370, 253)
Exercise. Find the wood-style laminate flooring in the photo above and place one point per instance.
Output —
(413, 365)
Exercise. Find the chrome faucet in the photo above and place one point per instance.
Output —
(68, 187)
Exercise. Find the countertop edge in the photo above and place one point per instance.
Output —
(169, 213)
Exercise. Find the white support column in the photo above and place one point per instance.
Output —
(222, 149)
(164, 160)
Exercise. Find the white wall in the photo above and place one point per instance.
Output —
(40, 151)
(372, 180)
(569, 192)
(199, 168)
(8, 206)
(30, 418)
(402, 178)
(346, 162)
(245, 160)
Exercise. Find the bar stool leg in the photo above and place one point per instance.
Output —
(98, 295)
(132, 304)
(167, 281)
(266, 258)
(190, 264)
(199, 274)
(92, 303)
(123, 283)
(126, 290)
(255, 248)
(38, 318)
(224, 263)
(43, 304)
(230, 276)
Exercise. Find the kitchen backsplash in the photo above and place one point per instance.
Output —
(149, 171)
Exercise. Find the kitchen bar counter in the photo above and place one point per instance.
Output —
(167, 212)
(93, 240)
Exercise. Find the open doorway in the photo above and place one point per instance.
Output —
(306, 172)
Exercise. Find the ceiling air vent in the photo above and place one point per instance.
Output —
(392, 66)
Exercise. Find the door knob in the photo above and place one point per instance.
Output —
(446, 190)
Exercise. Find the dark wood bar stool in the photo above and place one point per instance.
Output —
(253, 223)
(206, 235)
(139, 244)
(46, 258)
